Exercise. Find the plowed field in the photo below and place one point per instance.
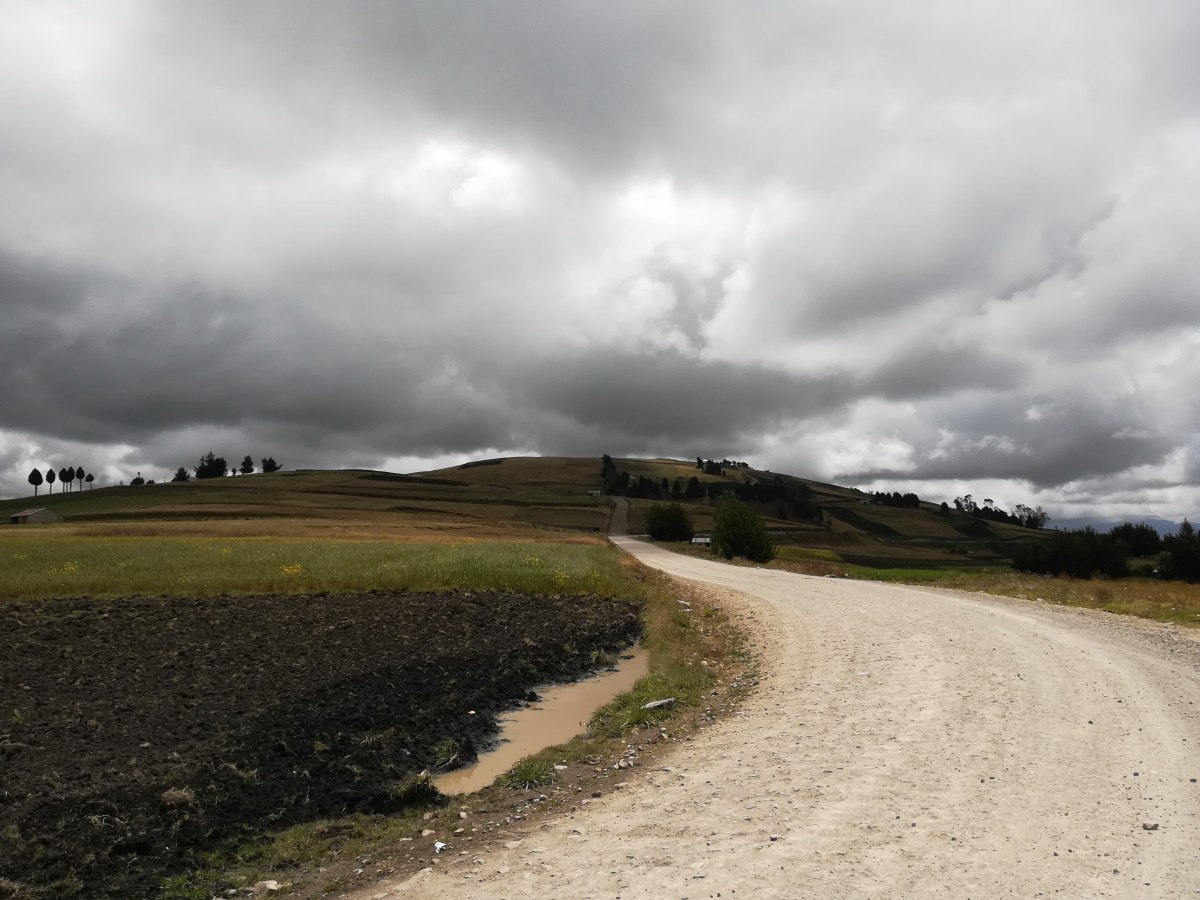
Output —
(136, 733)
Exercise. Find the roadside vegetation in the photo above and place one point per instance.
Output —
(669, 522)
(1143, 596)
(739, 531)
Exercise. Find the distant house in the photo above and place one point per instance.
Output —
(702, 539)
(595, 493)
(38, 516)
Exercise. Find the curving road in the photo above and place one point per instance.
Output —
(902, 743)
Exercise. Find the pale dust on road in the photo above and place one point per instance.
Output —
(903, 743)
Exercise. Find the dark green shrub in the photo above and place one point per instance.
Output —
(669, 522)
(739, 531)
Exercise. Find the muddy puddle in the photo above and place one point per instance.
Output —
(561, 713)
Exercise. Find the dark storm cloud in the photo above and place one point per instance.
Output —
(594, 83)
(35, 290)
(200, 359)
(1044, 441)
(674, 400)
(925, 371)
(951, 241)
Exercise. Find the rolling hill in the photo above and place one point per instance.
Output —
(550, 497)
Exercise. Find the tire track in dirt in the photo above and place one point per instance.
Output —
(904, 742)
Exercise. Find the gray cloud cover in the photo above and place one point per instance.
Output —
(944, 246)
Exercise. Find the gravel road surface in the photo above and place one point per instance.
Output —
(903, 742)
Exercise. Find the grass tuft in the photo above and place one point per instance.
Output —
(531, 772)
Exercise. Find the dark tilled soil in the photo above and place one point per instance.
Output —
(136, 733)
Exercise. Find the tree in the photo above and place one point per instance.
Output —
(138, 481)
(64, 479)
(90, 478)
(70, 478)
(1143, 539)
(608, 469)
(35, 478)
(211, 466)
(181, 474)
(669, 522)
(740, 531)
(50, 476)
(247, 466)
(79, 476)
(1181, 558)
(269, 465)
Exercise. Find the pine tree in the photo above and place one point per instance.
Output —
(211, 466)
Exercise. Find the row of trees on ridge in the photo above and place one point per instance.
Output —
(213, 466)
(1021, 514)
(67, 476)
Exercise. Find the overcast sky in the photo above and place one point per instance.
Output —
(946, 246)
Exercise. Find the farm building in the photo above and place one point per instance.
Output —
(702, 539)
(38, 516)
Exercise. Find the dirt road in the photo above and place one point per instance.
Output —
(902, 743)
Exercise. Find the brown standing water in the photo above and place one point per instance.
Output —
(562, 713)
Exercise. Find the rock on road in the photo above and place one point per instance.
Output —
(903, 742)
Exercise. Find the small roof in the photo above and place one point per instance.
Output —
(28, 512)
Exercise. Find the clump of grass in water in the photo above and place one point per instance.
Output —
(530, 772)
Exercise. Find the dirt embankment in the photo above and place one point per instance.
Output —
(135, 733)
(903, 743)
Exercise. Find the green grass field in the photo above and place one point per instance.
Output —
(45, 563)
